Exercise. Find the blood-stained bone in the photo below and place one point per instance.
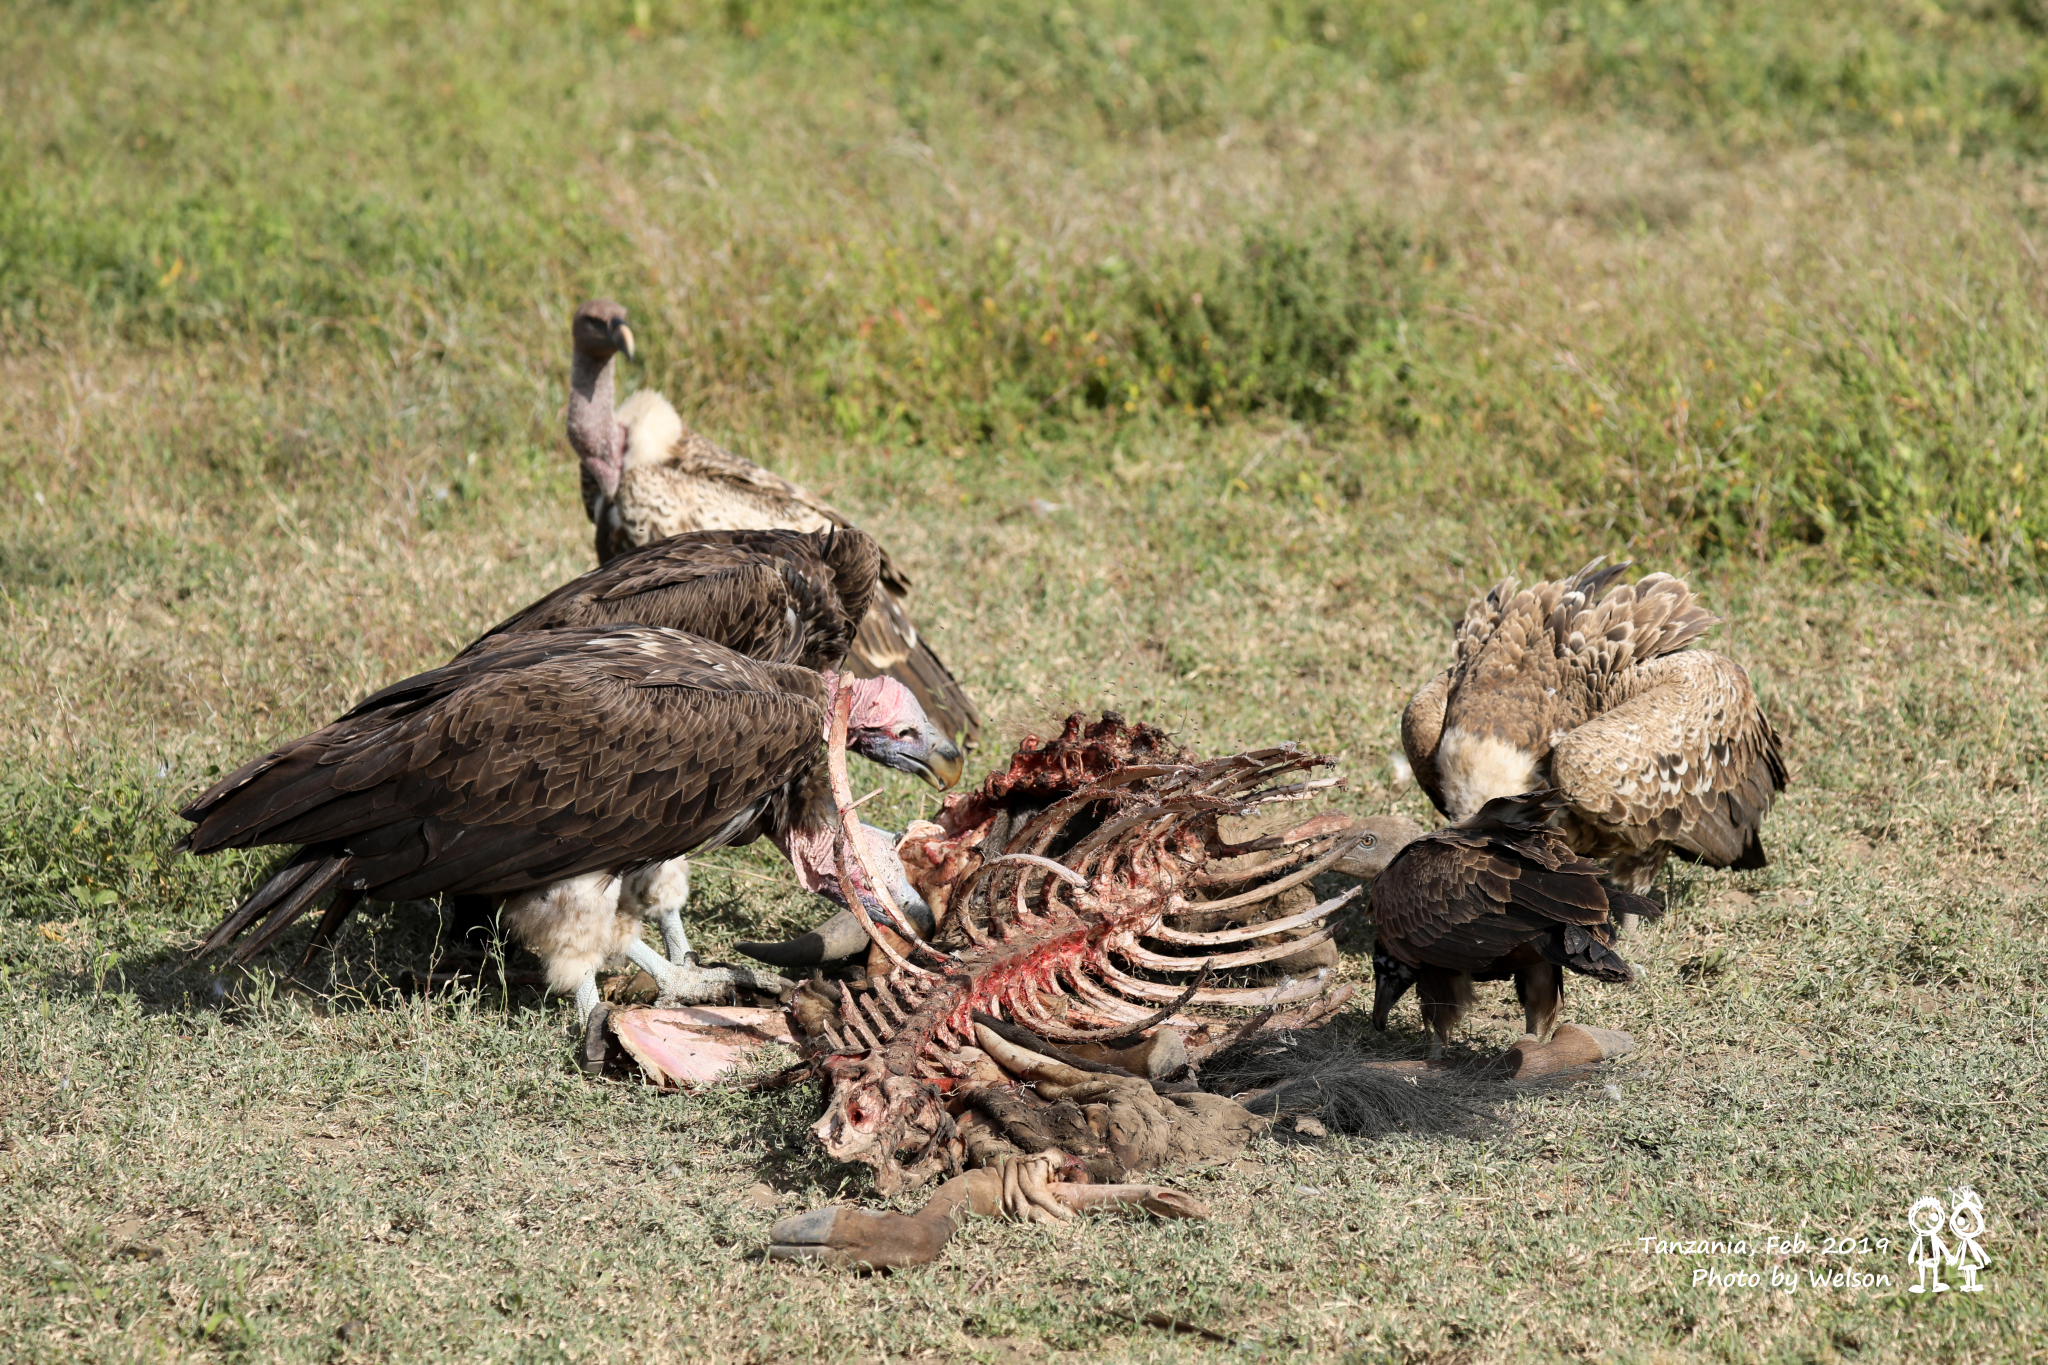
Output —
(1060, 889)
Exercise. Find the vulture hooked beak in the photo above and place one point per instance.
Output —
(623, 336)
(921, 750)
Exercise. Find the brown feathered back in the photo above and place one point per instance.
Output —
(543, 756)
(1466, 896)
(1592, 686)
(778, 596)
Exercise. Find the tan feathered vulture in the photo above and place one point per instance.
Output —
(564, 770)
(1496, 895)
(646, 475)
(1590, 688)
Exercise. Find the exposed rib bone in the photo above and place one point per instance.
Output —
(1058, 869)
(1271, 889)
(1245, 933)
(1132, 953)
(1256, 998)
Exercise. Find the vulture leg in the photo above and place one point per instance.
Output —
(1540, 988)
(660, 892)
(1444, 997)
(686, 983)
(672, 877)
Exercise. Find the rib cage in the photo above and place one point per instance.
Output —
(1061, 917)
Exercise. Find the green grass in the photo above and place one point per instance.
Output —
(1201, 361)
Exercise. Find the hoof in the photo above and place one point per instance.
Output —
(597, 1042)
(1572, 1047)
(859, 1239)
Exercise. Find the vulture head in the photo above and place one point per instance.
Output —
(1384, 838)
(599, 333)
(888, 727)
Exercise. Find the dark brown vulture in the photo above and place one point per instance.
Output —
(1654, 747)
(779, 596)
(564, 770)
(1496, 895)
(647, 476)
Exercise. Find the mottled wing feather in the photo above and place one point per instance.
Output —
(1422, 724)
(1686, 758)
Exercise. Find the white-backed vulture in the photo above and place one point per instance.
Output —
(1589, 687)
(563, 770)
(1496, 895)
(646, 475)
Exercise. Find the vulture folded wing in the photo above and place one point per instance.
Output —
(777, 595)
(677, 480)
(628, 746)
(888, 644)
(800, 505)
(1461, 901)
(1449, 901)
(1422, 724)
(1686, 757)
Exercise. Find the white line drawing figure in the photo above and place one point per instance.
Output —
(1966, 1221)
(1927, 1218)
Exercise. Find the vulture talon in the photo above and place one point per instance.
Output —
(688, 983)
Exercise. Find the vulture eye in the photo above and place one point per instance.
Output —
(1370, 840)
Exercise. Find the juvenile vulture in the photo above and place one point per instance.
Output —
(1654, 748)
(1496, 895)
(646, 476)
(563, 770)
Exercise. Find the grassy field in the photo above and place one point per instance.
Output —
(1202, 361)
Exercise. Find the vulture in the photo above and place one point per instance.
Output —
(563, 770)
(1497, 894)
(1589, 688)
(779, 596)
(647, 476)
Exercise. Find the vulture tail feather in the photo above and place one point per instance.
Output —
(1576, 950)
(324, 875)
(281, 884)
(338, 910)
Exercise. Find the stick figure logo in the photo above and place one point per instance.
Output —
(1963, 1217)
(1927, 1218)
(1966, 1221)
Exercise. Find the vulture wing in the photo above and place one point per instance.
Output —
(776, 595)
(547, 756)
(1686, 756)
(1422, 724)
(1463, 899)
(888, 645)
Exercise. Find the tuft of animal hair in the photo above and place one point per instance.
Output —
(1325, 1073)
(652, 426)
